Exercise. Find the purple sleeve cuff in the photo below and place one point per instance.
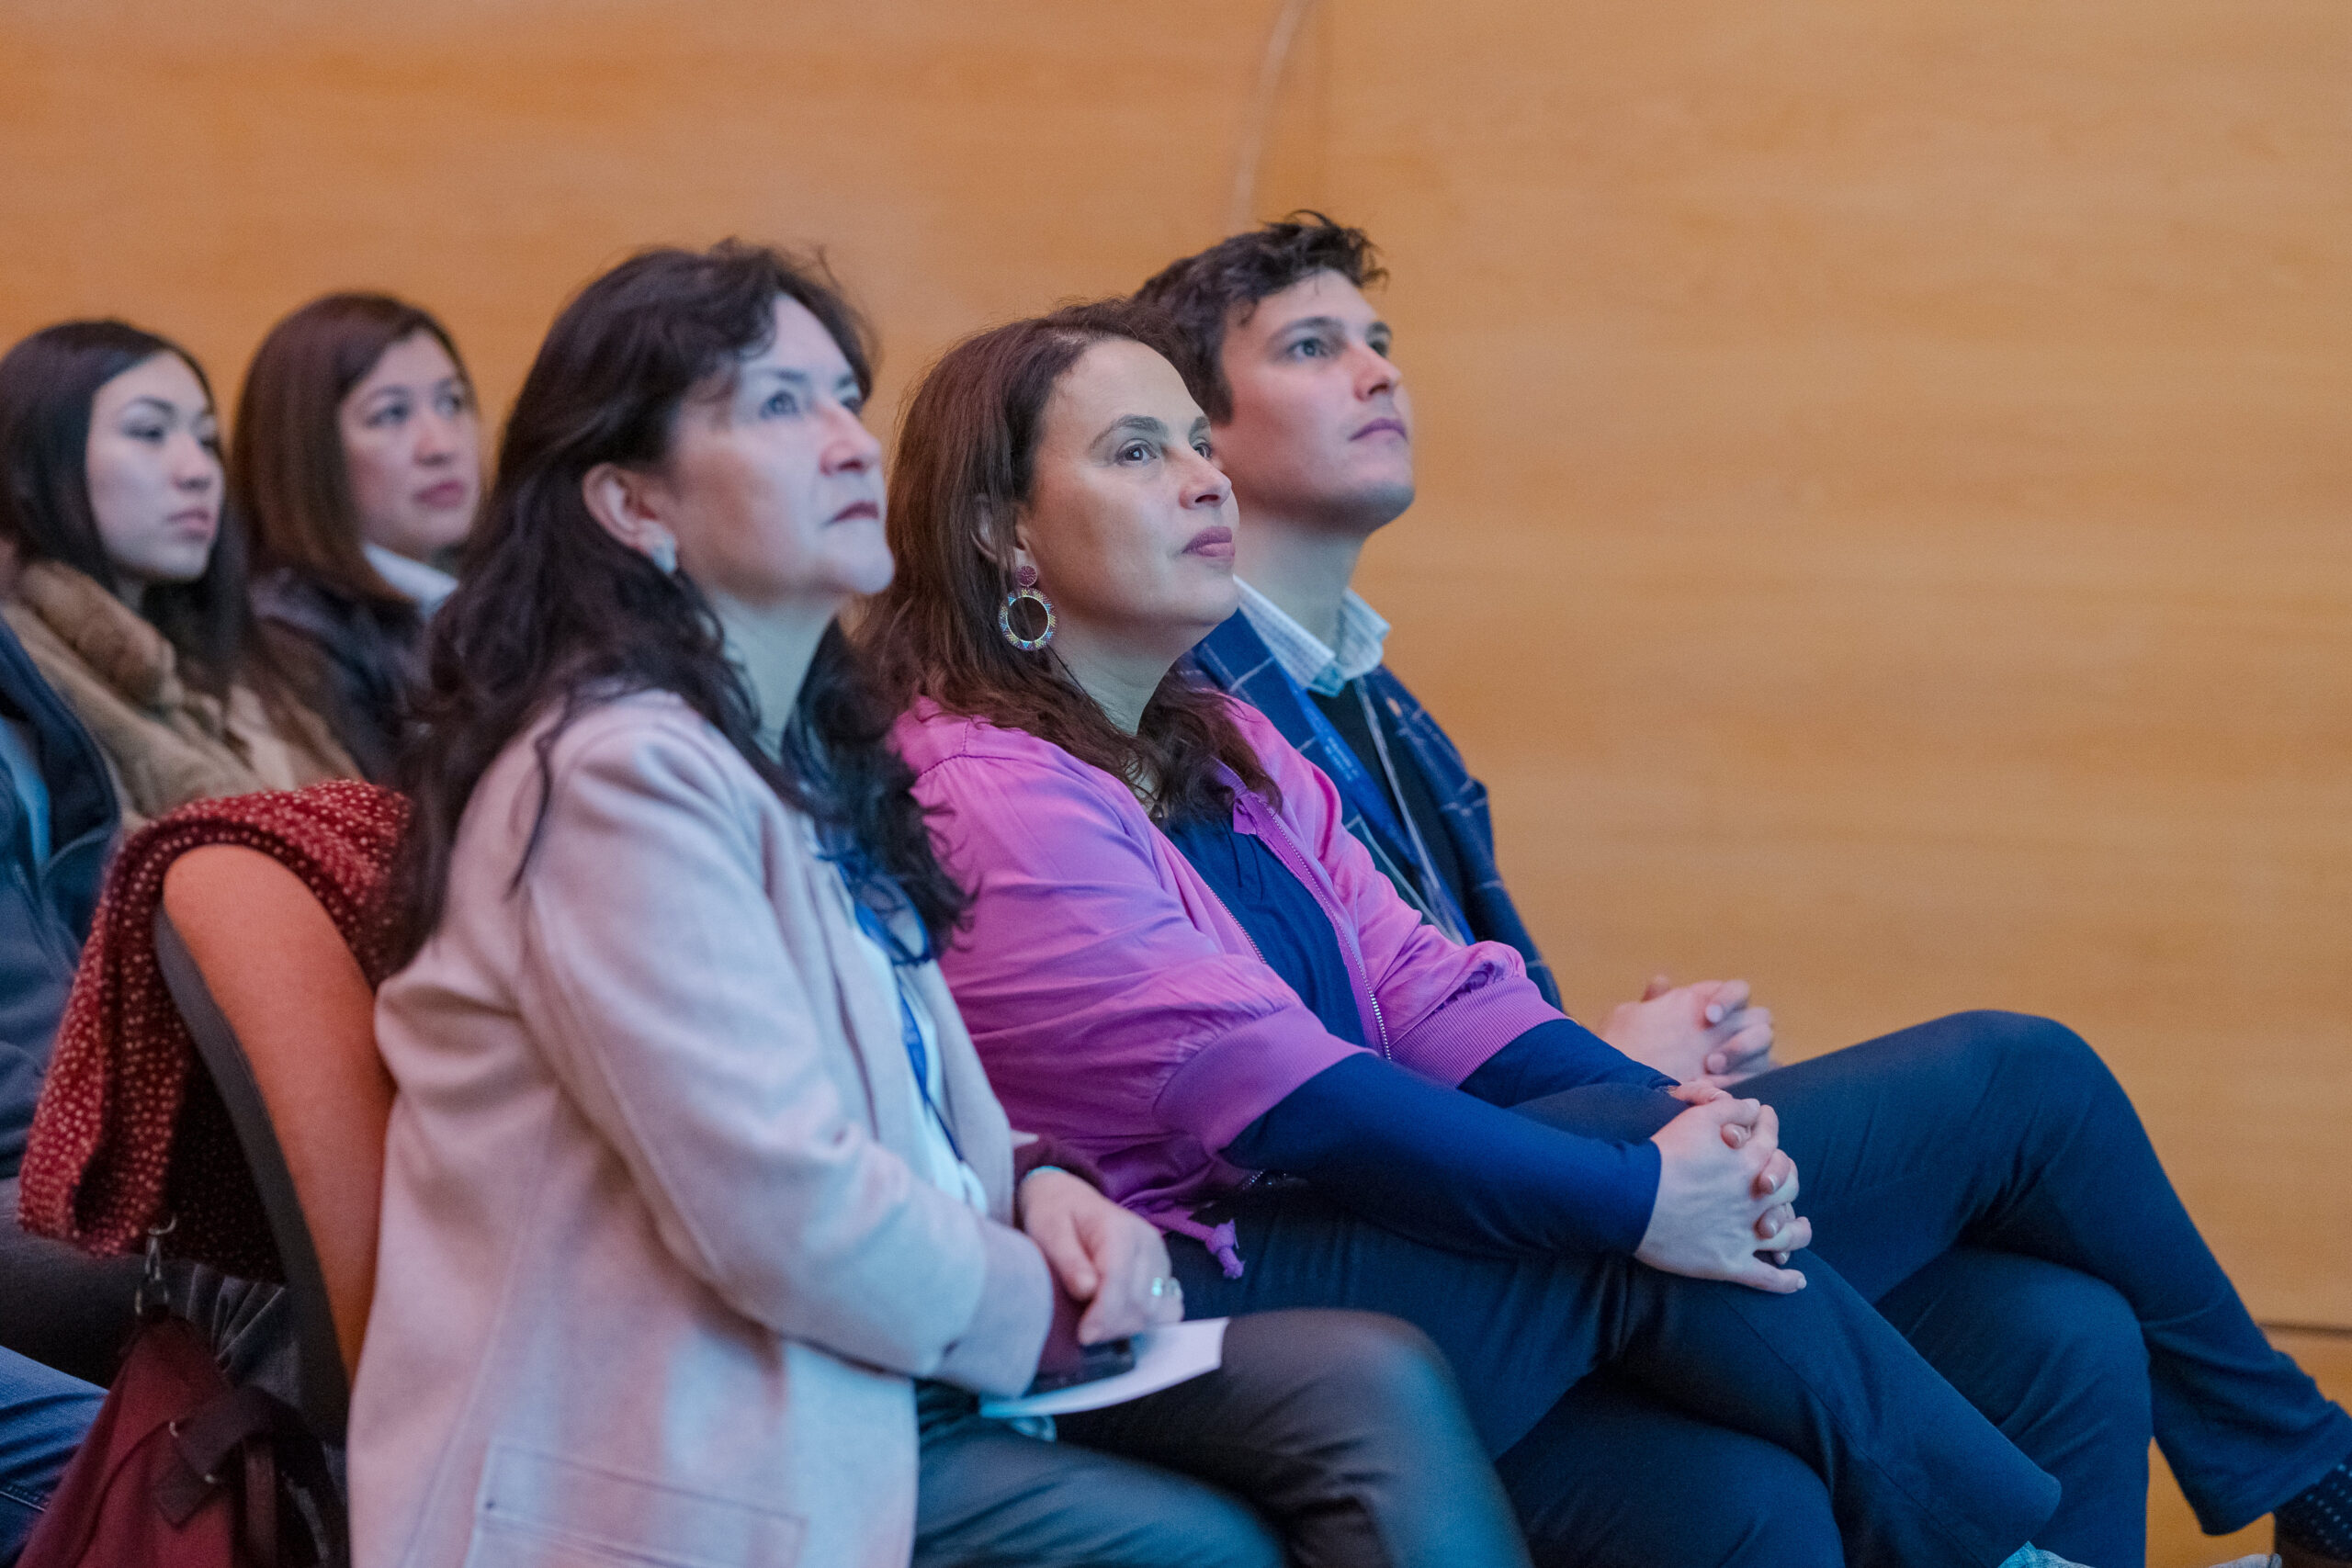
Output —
(1227, 1085)
(1455, 1041)
(1042, 1151)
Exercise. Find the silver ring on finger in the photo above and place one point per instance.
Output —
(1165, 1285)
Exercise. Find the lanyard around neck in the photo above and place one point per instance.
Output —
(1355, 782)
(877, 930)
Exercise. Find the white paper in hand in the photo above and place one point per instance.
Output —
(1164, 1358)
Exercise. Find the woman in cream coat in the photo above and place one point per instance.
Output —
(702, 1230)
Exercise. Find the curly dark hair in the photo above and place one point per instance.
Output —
(1201, 292)
(552, 613)
(965, 466)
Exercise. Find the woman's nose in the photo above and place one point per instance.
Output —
(851, 448)
(194, 468)
(436, 439)
(1208, 487)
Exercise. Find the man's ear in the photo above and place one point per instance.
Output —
(620, 501)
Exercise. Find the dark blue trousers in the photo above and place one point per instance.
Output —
(1979, 1184)
(2051, 1357)
(1999, 1132)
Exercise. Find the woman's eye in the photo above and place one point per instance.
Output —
(150, 433)
(387, 416)
(780, 405)
(452, 404)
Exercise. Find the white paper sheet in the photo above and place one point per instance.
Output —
(1164, 1358)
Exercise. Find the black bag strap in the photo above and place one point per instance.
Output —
(277, 1446)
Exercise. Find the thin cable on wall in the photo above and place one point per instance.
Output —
(1260, 125)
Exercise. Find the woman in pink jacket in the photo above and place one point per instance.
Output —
(1177, 959)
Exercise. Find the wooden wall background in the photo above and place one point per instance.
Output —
(1887, 519)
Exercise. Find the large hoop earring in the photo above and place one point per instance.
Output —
(1005, 619)
(1026, 590)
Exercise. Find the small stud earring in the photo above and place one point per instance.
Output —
(663, 553)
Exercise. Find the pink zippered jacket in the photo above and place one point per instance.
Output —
(1115, 1002)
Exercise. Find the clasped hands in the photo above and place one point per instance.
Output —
(1706, 1032)
(1113, 1262)
(1726, 1195)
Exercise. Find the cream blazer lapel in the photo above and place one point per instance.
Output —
(871, 1024)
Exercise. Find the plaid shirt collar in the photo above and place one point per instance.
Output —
(1312, 662)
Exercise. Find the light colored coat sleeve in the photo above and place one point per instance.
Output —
(655, 975)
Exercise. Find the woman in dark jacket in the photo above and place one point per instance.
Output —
(358, 462)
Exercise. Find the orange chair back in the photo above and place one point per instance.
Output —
(304, 1016)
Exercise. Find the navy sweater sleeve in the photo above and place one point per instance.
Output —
(1560, 1054)
(1450, 1170)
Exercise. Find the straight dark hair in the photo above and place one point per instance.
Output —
(288, 475)
(1206, 292)
(965, 465)
(49, 384)
(552, 613)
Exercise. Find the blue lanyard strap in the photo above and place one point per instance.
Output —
(870, 922)
(1356, 783)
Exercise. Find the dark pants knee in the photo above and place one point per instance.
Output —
(1364, 1367)
(2024, 1050)
(1613, 1479)
(2055, 1360)
(1346, 1429)
(990, 1497)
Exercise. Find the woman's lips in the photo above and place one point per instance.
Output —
(449, 492)
(1382, 426)
(857, 510)
(1214, 543)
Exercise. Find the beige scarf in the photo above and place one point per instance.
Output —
(166, 743)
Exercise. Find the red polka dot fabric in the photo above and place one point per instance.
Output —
(129, 1133)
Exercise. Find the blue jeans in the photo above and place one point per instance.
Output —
(42, 1417)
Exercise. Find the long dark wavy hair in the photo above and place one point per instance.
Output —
(965, 468)
(552, 613)
(48, 386)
